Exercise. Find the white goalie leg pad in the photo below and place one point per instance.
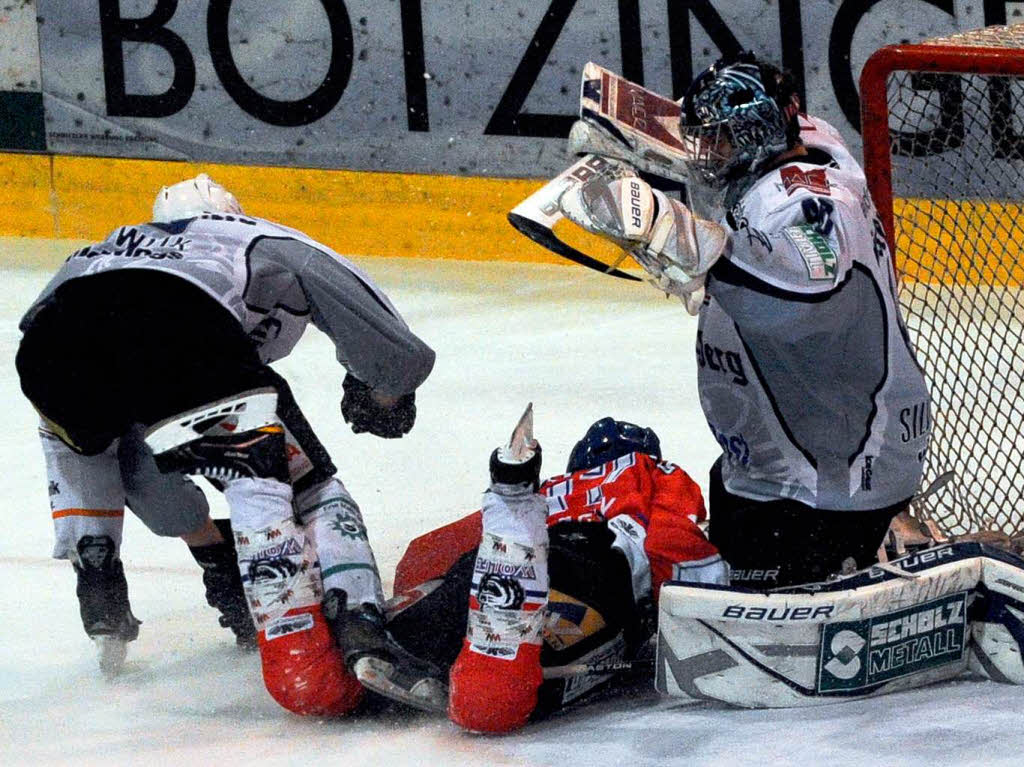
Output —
(868, 634)
(232, 415)
(333, 521)
(997, 631)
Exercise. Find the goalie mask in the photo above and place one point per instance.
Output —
(739, 113)
(188, 199)
(609, 439)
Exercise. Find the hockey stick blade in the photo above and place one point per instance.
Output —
(426, 694)
(936, 485)
(600, 669)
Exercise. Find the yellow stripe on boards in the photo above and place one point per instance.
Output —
(960, 242)
(964, 242)
(26, 208)
(354, 212)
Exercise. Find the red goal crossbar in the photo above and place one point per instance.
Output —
(945, 55)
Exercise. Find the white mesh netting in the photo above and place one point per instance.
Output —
(957, 143)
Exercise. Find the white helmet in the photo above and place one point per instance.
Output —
(188, 199)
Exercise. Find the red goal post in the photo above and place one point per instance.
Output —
(943, 131)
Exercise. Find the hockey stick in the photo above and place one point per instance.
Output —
(936, 485)
(602, 668)
(917, 529)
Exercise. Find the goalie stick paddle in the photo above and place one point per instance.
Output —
(537, 215)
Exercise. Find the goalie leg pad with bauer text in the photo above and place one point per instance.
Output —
(877, 631)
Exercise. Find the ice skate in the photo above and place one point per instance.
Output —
(378, 661)
(103, 602)
(224, 585)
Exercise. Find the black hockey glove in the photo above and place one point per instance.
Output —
(360, 409)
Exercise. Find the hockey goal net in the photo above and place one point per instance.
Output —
(943, 130)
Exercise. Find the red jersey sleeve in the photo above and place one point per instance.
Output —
(659, 496)
(674, 539)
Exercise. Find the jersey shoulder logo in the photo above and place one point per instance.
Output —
(815, 250)
(815, 180)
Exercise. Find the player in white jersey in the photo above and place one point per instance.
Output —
(146, 357)
(806, 375)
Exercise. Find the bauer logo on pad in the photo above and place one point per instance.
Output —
(859, 654)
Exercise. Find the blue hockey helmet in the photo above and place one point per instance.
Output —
(609, 439)
(739, 113)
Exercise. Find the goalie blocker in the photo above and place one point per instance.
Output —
(923, 618)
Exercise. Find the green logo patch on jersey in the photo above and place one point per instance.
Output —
(815, 250)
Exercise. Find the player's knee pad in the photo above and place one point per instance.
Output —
(236, 437)
(494, 694)
(302, 667)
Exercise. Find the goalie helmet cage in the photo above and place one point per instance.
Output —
(943, 131)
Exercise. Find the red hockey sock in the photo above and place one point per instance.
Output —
(302, 667)
(489, 694)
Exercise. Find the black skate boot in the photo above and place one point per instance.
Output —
(103, 601)
(224, 585)
(374, 657)
(255, 453)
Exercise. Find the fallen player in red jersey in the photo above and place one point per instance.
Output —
(554, 574)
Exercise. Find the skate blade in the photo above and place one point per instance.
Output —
(426, 694)
(112, 653)
(521, 444)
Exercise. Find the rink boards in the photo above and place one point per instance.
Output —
(430, 216)
(355, 212)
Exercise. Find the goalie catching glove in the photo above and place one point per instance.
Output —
(672, 245)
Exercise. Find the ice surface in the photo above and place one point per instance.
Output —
(579, 346)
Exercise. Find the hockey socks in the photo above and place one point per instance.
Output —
(495, 679)
(332, 519)
(302, 668)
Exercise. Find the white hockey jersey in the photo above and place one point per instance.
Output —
(275, 281)
(807, 377)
